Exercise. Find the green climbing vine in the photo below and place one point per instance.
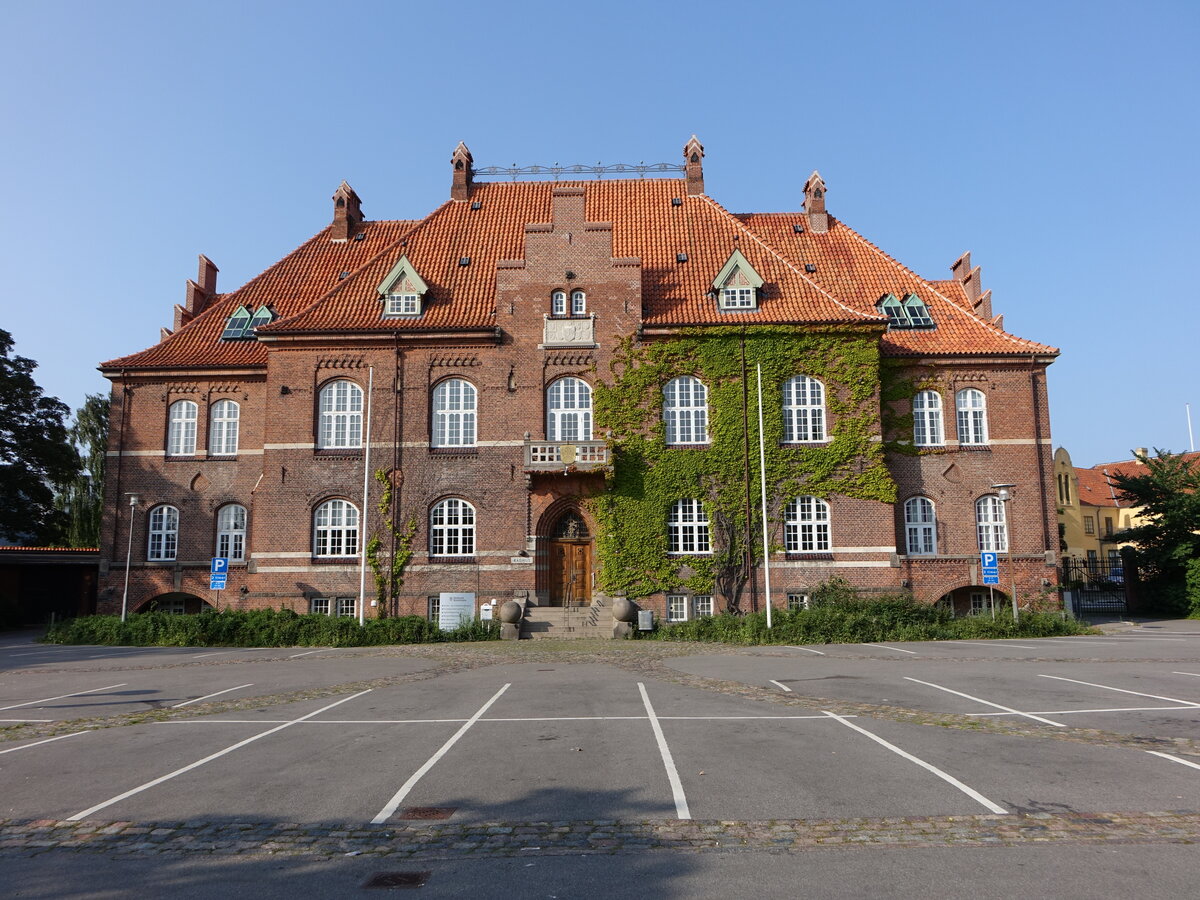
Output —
(898, 382)
(648, 476)
(389, 577)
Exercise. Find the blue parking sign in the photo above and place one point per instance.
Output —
(220, 565)
(990, 563)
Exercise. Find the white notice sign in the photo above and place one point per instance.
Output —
(455, 609)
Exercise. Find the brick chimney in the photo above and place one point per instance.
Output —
(199, 293)
(814, 203)
(972, 281)
(462, 161)
(693, 156)
(347, 212)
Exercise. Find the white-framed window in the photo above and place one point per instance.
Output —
(738, 298)
(163, 541)
(920, 526)
(989, 522)
(454, 410)
(181, 428)
(320, 606)
(346, 606)
(402, 305)
(569, 410)
(971, 405)
(435, 607)
(927, 419)
(978, 603)
(335, 529)
(676, 608)
(806, 526)
(685, 410)
(223, 428)
(578, 303)
(702, 605)
(803, 410)
(687, 529)
(341, 416)
(231, 532)
(558, 303)
(452, 528)
(797, 601)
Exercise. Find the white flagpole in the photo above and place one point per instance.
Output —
(762, 465)
(362, 517)
(1191, 440)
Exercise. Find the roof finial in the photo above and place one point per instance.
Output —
(347, 212)
(693, 154)
(814, 203)
(463, 163)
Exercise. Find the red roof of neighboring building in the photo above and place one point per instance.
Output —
(309, 293)
(1096, 487)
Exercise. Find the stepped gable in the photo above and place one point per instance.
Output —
(858, 273)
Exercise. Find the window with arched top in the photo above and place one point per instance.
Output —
(688, 529)
(569, 410)
(806, 526)
(803, 410)
(990, 524)
(920, 527)
(454, 410)
(340, 407)
(231, 532)
(335, 529)
(163, 539)
(971, 405)
(181, 428)
(578, 303)
(223, 428)
(558, 303)
(685, 411)
(927, 419)
(452, 528)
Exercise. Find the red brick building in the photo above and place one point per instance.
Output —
(498, 359)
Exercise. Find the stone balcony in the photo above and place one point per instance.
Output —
(566, 456)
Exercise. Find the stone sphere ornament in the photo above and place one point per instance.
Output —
(511, 612)
(624, 610)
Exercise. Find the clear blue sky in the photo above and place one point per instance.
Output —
(1055, 140)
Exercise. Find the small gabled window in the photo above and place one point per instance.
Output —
(264, 316)
(402, 290)
(402, 305)
(237, 325)
(894, 310)
(737, 285)
(918, 312)
(909, 313)
(738, 298)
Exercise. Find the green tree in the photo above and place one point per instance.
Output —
(35, 454)
(1167, 495)
(82, 497)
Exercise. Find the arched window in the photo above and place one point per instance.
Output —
(685, 411)
(335, 529)
(972, 416)
(341, 405)
(578, 303)
(558, 303)
(231, 532)
(452, 528)
(989, 522)
(806, 526)
(920, 526)
(927, 419)
(454, 402)
(223, 428)
(181, 428)
(687, 529)
(164, 533)
(803, 410)
(569, 410)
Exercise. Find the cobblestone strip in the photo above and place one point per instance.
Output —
(441, 841)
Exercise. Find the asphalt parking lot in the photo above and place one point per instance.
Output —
(447, 751)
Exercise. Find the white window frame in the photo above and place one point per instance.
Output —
(578, 303)
(917, 312)
(971, 407)
(320, 606)
(798, 601)
(927, 419)
(920, 526)
(677, 608)
(569, 410)
(978, 603)
(335, 530)
(739, 297)
(558, 303)
(452, 528)
(434, 604)
(807, 526)
(341, 416)
(455, 403)
(223, 424)
(162, 540)
(685, 411)
(402, 305)
(702, 605)
(231, 532)
(688, 531)
(346, 607)
(182, 416)
(990, 524)
(803, 410)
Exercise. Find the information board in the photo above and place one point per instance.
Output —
(455, 609)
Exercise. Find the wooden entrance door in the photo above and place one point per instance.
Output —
(570, 573)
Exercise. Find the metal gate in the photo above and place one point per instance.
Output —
(1098, 586)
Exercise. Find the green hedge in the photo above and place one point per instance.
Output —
(259, 628)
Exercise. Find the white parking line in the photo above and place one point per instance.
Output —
(992, 644)
(392, 805)
(250, 740)
(207, 720)
(949, 779)
(64, 696)
(1074, 712)
(1183, 762)
(1122, 690)
(1135, 637)
(39, 743)
(26, 720)
(806, 649)
(897, 649)
(214, 694)
(1007, 709)
(309, 652)
(681, 804)
(780, 685)
(1193, 674)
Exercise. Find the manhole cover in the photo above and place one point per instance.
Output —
(428, 812)
(397, 880)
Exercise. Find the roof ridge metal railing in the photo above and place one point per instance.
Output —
(556, 171)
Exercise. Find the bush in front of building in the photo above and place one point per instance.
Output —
(259, 628)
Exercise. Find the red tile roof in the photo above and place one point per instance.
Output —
(1096, 486)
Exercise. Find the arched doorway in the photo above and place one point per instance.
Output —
(975, 600)
(175, 602)
(570, 562)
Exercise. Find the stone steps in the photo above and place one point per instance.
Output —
(573, 622)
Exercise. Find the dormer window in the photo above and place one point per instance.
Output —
(738, 298)
(894, 310)
(918, 312)
(908, 313)
(402, 291)
(238, 325)
(264, 316)
(737, 285)
(402, 305)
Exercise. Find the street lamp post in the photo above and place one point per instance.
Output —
(1004, 492)
(133, 502)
